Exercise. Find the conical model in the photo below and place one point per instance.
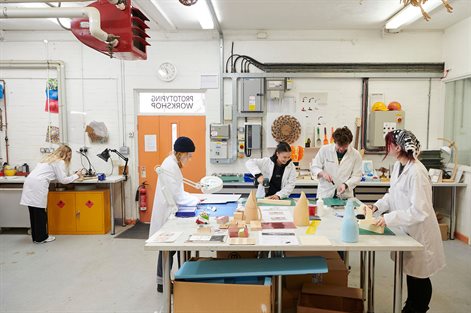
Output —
(301, 211)
(252, 211)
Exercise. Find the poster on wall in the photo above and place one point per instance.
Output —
(181, 103)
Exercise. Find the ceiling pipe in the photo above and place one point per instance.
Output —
(120, 4)
(92, 13)
(59, 66)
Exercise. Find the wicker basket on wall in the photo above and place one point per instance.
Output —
(286, 128)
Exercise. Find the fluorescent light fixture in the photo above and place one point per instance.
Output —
(410, 14)
(201, 11)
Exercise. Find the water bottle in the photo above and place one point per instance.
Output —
(350, 229)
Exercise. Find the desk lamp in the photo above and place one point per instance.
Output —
(89, 172)
(207, 184)
(105, 156)
(452, 150)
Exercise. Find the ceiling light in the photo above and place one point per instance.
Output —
(201, 11)
(409, 14)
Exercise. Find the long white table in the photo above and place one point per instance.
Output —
(367, 192)
(329, 227)
(14, 184)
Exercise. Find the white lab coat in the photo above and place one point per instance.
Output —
(409, 203)
(266, 165)
(172, 180)
(348, 171)
(36, 185)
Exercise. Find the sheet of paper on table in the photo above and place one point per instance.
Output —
(277, 237)
(276, 214)
(164, 236)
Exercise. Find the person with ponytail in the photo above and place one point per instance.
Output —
(170, 184)
(54, 166)
(408, 206)
(278, 169)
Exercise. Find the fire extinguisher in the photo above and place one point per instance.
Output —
(141, 196)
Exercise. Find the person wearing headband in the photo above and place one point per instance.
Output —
(408, 206)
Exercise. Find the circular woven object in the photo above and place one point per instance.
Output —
(286, 128)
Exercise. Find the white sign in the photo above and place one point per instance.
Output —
(150, 143)
(172, 103)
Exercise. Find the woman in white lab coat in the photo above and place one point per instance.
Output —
(408, 205)
(170, 191)
(36, 188)
(337, 166)
(279, 170)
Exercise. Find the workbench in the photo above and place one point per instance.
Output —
(12, 214)
(329, 227)
(367, 192)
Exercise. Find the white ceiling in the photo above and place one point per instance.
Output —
(272, 15)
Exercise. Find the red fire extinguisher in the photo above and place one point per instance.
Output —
(141, 196)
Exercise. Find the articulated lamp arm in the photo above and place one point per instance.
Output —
(208, 184)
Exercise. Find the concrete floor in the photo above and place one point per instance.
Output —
(102, 274)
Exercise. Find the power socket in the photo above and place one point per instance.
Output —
(83, 149)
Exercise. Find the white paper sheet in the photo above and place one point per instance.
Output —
(164, 236)
(276, 237)
(150, 143)
(276, 214)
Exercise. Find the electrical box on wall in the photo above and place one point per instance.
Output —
(218, 150)
(252, 95)
(219, 131)
(253, 136)
(382, 122)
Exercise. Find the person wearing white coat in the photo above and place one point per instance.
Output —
(408, 205)
(36, 188)
(279, 170)
(337, 166)
(170, 184)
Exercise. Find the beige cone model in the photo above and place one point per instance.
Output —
(252, 211)
(301, 211)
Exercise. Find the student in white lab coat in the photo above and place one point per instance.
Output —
(279, 170)
(337, 166)
(36, 188)
(170, 184)
(408, 205)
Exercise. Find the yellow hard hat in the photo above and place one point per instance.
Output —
(379, 106)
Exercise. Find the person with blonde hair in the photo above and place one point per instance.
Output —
(169, 192)
(53, 166)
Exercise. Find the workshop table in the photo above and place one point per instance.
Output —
(329, 227)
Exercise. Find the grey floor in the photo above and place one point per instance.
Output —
(103, 274)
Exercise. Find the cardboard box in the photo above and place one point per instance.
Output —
(328, 255)
(236, 254)
(337, 276)
(191, 297)
(444, 231)
(318, 298)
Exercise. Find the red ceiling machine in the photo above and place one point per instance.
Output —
(127, 26)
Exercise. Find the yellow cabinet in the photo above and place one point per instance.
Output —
(79, 212)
